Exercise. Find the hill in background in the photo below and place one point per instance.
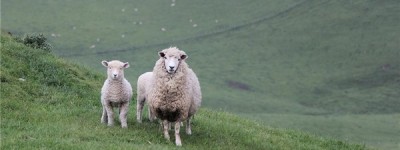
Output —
(327, 67)
(49, 103)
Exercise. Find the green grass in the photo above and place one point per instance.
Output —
(50, 103)
(326, 67)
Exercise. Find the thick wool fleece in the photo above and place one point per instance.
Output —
(170, 97)
(174, 97)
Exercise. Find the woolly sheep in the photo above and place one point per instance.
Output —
(174, 91)
(116, 92)
(143, 88)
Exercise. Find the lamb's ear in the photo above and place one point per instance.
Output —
(161, 53)
(126, 65)
(184, 56)
(105, 63)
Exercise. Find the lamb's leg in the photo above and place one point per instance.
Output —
(188, 127)
(110, 114)
(104, 115)
(139, 107)
(177, 136)
(124, 108)
(165, 125)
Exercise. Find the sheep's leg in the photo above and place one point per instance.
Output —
(139, 107)
(170, 125)
(165, 125)
(104, 115)
(151, 115)
(110, 114)
(188, 127)
(123, 114)
(178, 141)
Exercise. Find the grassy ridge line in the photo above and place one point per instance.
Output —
(200, 36)
(48, 103)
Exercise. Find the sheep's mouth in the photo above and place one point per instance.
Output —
(171, 71)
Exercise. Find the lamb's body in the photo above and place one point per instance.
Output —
(116, 91)
(143, 89)
(174, 94)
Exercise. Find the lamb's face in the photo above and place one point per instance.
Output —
(172, 58)
(115, 69)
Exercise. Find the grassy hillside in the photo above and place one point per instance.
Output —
(327, 67)
(48, 103)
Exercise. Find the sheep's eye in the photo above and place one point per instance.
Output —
(109, 68)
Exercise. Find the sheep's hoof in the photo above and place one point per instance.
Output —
(125, 127)
(166, 137)
(189, 132)
(178, 143)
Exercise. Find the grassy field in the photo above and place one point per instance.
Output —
(49, 103)
(331, 68)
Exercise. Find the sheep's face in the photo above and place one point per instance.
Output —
(172, 58)
(115, 69)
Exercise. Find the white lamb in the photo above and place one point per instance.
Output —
(116, 92)
(143, 89)
(172, 91)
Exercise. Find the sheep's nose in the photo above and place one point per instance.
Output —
(171, 67)
(115, 75)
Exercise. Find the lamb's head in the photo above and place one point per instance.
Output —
(115, 69)
(172, 58)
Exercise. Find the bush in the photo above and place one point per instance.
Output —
(38, 41)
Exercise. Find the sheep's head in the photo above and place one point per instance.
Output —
(115, 69)
(172, 58)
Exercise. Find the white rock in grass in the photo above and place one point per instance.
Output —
(22, 79)
(93, 46)
(123, 35)
(173, 4)
(194, 25)
(163, 29)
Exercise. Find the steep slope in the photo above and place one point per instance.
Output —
(48, 103)
(327, 67)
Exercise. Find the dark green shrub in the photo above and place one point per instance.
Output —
(38, 41)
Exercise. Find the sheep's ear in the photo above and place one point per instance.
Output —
(105, 63)
(161, 53)
(184, 56)
(126, 65)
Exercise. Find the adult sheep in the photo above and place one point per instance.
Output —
(116, 91)
(174, 93)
